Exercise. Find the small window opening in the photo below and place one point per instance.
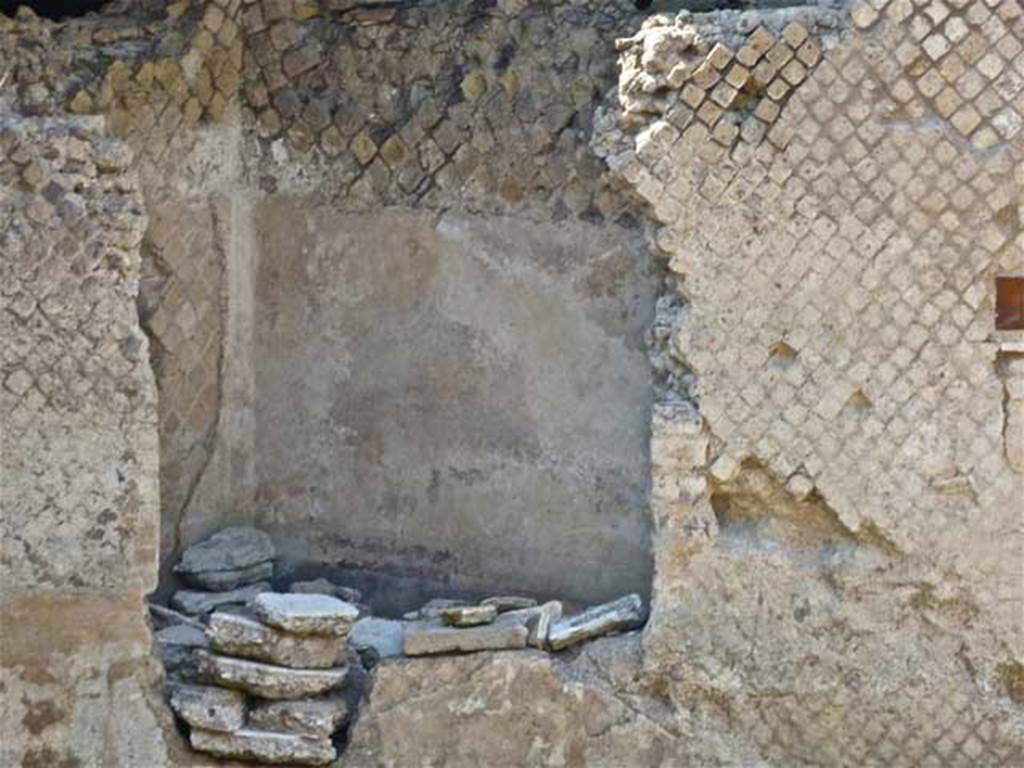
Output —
(53, 9)
(1010, 303)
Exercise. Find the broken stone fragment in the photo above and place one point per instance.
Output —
(264, 746)
(236, 550)
(430, 637)
(218, 581)
(237, 634)
(265, 680)
(469, 615)
(204, 706)
(305, 614)
(381, 636)
(432, 608)
(537, 621)
(324, 586)
(195, 603)
(624, 613)
(509, 603)
(315, 717)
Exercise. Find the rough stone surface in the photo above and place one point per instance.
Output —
(236, 634)
(431, 637)
(305, 614)
(176, 646)
(625, 613)
(265, 747)
(538, 621)
(232, 550)
(208, 707)
(315, 717)
(382, 636)
(195, 603)
(267, 681)
(526, 708)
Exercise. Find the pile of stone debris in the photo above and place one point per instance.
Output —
(272, 677)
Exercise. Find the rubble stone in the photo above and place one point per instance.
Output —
(469, 615)
(264, 746)
(201, 706)
(233, 549)
(305, 614)
(267, 681)
(432, 637)
(307, 717)
(220, 581)
(382, 636)
(625, 613)
(195, 603)
(236, 634)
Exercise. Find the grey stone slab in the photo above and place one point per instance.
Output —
(432, 608)
(267, 681)
(219, 581)
(195, 602)
(432, 637)
(209, 707)
(469, 615)
(305, 614)
(625, 613)
(307, 717)
(264, 746)
(238, 634)
(383, 636)
(231, 549)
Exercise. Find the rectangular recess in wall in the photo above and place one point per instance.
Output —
(1010, 303)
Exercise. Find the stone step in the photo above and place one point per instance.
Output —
(431, 637)
(238, 634)
(265, 746)
(305, 614)
(195, 603)
(208, 707)
(625, 613)
(267, 681)
(306, 717)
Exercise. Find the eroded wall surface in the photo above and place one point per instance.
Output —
(464, 400)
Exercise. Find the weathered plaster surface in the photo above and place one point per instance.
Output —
(464, 399)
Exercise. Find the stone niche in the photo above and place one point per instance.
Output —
(454, 401)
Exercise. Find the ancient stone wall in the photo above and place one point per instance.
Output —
(839, 508)
(79, 458)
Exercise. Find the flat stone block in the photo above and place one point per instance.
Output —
(242, 635)
(204, 706)
(306, 717)
(264, 746)
(625, 613)
(432, 637)
(194, 602)
(265, 680)
(305, 614)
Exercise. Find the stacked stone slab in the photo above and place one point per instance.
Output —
(229, 568)
(269, 683)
